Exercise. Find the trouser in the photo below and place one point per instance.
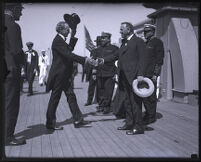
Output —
(150, 104)
(30, 77)
(54, 101)
(92, 90)
(105, 87)
(43, 74)
(133, 112)
(12, 100)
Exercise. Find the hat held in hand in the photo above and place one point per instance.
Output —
(72, 20)
(144, 88)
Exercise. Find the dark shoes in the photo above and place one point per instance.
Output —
(54, 128)
(125, 127)
(148, 120)
(30, 94)
(87, 104)
(15, 142)
(99, 109)
(79, 124)
(135, 132)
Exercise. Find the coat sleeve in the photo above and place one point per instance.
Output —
(65, 52)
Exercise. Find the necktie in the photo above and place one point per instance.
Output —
(64, 38)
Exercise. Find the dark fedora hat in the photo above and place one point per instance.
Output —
(72, 20)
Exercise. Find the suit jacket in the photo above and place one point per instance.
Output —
(132, 59)
(34, 59)
(14, 54)
(155, 55)
(62, 64)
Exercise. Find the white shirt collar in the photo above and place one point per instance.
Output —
(62, 36)
(129, 38)
(8, 13)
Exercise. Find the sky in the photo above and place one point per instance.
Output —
(38, 22)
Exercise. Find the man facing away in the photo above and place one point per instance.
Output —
(59, 78)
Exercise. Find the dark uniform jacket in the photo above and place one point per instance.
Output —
(155, 55)
(14, 54)
(29, 67)
(131, 59)
(108, 69)
(62, 64)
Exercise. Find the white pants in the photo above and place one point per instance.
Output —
(43, 74)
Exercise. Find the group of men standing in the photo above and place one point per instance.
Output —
(135, 61)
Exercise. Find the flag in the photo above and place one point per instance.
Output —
(88, 42)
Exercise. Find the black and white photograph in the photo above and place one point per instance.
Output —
(100, 80)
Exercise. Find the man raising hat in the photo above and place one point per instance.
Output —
(155, 55)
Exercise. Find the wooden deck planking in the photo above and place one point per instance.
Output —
(174, 135)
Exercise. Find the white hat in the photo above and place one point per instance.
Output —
(149, 27)
(43, 50)
(143, 92)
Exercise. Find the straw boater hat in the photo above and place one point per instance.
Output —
(143, 91)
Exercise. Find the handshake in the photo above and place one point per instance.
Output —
(93, 62)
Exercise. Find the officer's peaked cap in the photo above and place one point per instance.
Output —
(104, 34)
(148, 27)
(29, 43)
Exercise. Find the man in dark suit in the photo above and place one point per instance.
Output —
(155, 55)
(131, 66)
(31, 66)
(105, 73)
(14, 57)
(91, 73)
(60, 74)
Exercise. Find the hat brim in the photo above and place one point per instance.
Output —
(143, 92)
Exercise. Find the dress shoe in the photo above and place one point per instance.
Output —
(125, 127)
(106, 111)
(78, 124)
(135, 131)
(99, 109)
(15, 142)
(147, 121)
(30, 94)
(55, 127)
(87, 104)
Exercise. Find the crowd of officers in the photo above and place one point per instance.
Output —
(136, 59)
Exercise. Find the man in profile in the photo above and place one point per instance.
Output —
(59, 78)
(14, 57)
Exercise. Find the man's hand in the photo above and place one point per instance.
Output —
(100, 61)
(91, 61)
(94, 77)
(140, 78)
(154, 78)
